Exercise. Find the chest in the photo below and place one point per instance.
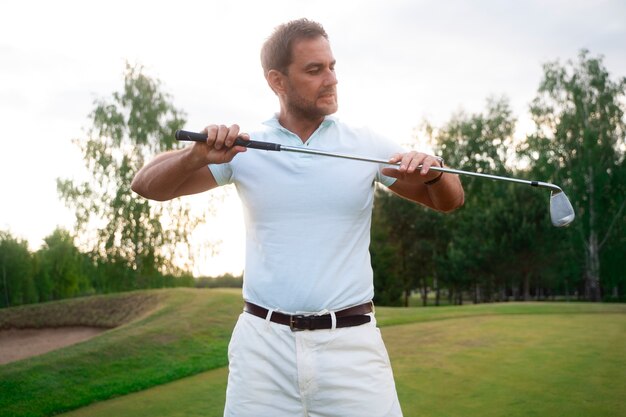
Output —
(287, 183)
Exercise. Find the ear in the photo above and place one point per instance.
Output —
(276, 81)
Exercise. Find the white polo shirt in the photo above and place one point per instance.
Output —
(308, 217)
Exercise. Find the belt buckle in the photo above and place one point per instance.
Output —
(293, 322)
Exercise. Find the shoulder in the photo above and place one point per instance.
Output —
(362, 131)
(367, 138)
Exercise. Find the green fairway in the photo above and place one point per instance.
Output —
(558, 365)
(519, 359)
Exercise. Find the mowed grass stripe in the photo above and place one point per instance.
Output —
(201, 395)
(557, 365)
(390, 316)
(496, 365)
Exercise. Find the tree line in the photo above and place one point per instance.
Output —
(60, 270)
(500, 246)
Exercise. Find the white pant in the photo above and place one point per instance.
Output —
(275, 372)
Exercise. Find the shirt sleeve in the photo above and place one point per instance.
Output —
(386, 148)
(223, 173)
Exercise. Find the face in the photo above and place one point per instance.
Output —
(310, 85)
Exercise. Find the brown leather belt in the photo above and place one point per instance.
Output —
(353, 316)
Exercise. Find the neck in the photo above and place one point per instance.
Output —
(299, 124)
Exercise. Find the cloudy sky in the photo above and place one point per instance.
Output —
(398, 62)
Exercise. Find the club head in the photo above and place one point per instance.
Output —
(561, 210)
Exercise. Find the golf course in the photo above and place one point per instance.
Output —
(163, 353)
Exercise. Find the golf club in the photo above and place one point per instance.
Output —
(561, 210)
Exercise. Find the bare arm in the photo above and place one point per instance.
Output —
(445, 195)
(185, 171)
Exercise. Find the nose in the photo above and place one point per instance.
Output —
(331, 77)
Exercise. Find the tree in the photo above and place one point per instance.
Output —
(60, 268)
(526, 239)
(479, 142)
(460, 245)
(405, 241)
(580, 143)
(16, 272)
(383, 250)
(126, 130)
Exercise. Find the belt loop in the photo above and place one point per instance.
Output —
(268, 317)
(333, 320)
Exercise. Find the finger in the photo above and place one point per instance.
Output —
(231, 152)
(395, 158)
(243, 136)
(232, 134)
(222, 133)
(429, 161)
(415, 162)
(211, 134)
(409, 162)
(391, 172)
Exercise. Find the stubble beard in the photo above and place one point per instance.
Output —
(307, 109)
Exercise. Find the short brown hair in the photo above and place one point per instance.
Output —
(276, 52)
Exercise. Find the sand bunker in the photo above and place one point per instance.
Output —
(16, 344)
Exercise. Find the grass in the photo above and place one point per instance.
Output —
(517, 359)
(186, 332)
(522, 365)
(105, 311)
(496, 360)
(397, 316)
(201, 395)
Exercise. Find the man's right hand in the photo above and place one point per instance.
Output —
(218, 147)
(184, 171)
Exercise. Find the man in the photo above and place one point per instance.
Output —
(307, 342)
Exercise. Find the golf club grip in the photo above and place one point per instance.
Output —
(184, 135)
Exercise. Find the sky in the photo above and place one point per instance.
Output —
(399, 62)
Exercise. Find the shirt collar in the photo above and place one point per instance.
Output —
(273, 122)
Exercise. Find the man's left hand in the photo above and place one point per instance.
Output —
(409, 167)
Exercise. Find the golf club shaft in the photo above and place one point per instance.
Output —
(183, 135)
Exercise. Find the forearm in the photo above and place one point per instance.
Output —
(446, 194)
(182, 172)
(164, 177)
